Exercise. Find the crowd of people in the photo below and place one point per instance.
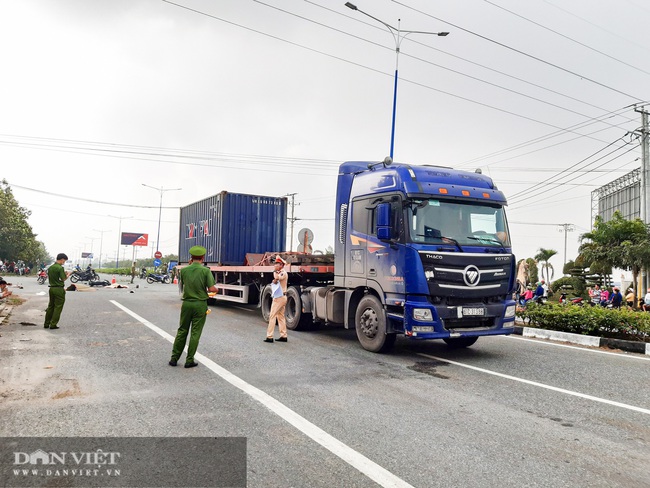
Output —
(605, 298)
(14, 267)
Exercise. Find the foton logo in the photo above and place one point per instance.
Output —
(471, 275)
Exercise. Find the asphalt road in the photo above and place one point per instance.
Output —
(319, 410)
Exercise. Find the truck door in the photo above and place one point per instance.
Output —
(356, 259)
(386, 260)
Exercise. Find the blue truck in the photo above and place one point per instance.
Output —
(422, 251)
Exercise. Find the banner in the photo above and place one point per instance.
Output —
(134, 239)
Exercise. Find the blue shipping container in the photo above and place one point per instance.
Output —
(229, 225)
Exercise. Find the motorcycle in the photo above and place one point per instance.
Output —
(42, 276)
(574, 301)
(143, 273)
(158, 278)
(88, 275)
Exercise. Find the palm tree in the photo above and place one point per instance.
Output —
(618, 243)
(542, 257)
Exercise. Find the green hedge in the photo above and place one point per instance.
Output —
(596, 321)
(117, 271)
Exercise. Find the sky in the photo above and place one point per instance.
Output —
(99, 98)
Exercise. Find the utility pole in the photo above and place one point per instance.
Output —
(565, 228)
(645, 180)
(292, 219)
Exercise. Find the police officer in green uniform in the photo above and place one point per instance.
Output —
(197, 281)
(56, 276)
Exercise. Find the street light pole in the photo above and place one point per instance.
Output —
(161, 190)
(119, 238)
(398, 37)
(101, 244)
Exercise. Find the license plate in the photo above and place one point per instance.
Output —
(473, 311)
(422, 328)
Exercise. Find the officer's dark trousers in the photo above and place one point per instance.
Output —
(55, 306)
(193, 315)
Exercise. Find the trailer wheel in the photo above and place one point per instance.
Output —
(266, 301)
(370, 323)
(459, 342)
(296, 320)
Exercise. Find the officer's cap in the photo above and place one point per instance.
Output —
(198, 251)
(279, 260)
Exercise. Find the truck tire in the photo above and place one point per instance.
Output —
(296, 320)
(370, 323)
(459, 342)
(265, 303)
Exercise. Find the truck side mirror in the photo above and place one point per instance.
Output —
(384, 221)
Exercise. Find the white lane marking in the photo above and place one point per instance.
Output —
(372, 470)
(542, 385)
(547, 343)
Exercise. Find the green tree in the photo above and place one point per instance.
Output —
(17, 240)
(618, 243)
(542, 257)
(532, 270)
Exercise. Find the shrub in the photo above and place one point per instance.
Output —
(596, 321)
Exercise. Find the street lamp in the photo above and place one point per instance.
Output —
(161, 190)
(101, 243)
(92, 242)
(119, 238)
(398, 37)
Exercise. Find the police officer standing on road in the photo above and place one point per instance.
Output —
(56, 276)
(280, 278)
(197, 281)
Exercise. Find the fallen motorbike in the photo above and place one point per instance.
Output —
(88, 275)
(158, 278)
(42, 276)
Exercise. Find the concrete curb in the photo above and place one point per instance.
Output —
(584, 340)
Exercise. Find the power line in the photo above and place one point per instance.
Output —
(518, 51)
(404, 80)
(566, 37)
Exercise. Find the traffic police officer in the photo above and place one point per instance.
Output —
(197, 281)
(56, 276)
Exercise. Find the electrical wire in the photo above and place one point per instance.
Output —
(566, 37)
(583, 77)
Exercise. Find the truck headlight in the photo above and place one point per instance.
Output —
(423, 314)
(510, 312)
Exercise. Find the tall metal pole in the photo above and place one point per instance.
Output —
(119, 239)
(101, 243)
(398, 38)
(292, 219)
(161, 190)
(645, 182)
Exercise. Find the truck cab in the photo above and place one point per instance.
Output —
(422, 251)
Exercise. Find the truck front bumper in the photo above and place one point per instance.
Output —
(422, 320)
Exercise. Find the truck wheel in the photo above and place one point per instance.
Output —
(370, 322)
(266, 302)
(458, 342)
(296, 320)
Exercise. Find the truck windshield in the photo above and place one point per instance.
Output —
(436, 221)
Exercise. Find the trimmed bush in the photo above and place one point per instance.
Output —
(595, 321)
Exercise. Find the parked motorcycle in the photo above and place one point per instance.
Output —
(42, 276)
(573, 301)
(143, 273)
(158, 278)
(88, 275)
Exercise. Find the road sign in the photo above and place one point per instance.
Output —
(157, 255)
(309, 250)
(157, 262)
(305, 233)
